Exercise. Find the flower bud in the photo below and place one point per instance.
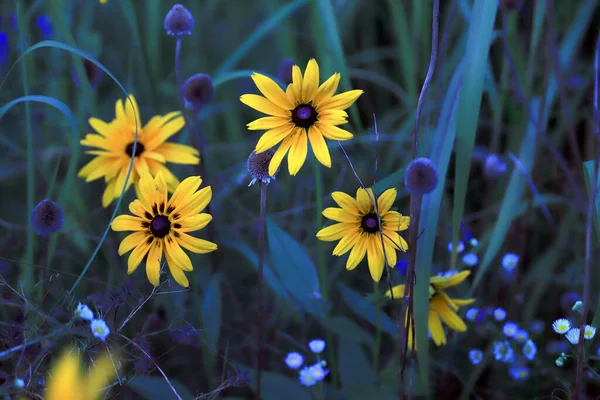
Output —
(258, 166)
(421, 176)
(179, 21)
(47, 217)
(198, 90)
(494, 166)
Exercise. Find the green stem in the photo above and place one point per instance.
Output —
(208, 360)
(377, 332)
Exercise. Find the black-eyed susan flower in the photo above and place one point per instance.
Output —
(113, 145)
(442, 308)
(358, 229)
(161, 225)
(67, 381)
(304, 112)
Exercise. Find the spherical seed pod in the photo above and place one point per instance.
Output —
(421, 176)
(285, 71)
(258, 166)
(198, 90)
(494, 166)
(179, 21)
(47, 217)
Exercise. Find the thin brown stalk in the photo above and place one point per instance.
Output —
(261, 259)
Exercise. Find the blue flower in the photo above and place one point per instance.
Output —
(401, 267)
(294, 360)
(44, 24)
(317, 372)
(499, 314)
(521, 335)
(519, 373)
(503, 352)
(470, 259)
(316, 346)
(471, 314)
(529, 350)
(460, 246)
(4, 49)
(476, 356)
(509, 261)
(510, 329)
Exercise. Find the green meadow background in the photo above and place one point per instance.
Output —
(517, 83)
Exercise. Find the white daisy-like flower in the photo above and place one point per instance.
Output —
(460, 246)
(470, 259)
(510, 261)
(573, 335)
(561, 325)
(316, 346)
(589, 332)
(294, 360)
(306, 377)
(317, 372)
(82, 311)
(499, 314)
(99, 329)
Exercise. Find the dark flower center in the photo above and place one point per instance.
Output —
(369, 223)
(160, 226)
(304, 115)
(139, 149)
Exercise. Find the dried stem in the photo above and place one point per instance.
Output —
(261, 259)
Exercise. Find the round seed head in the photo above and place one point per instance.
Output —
(421, 176)
(258, 166)
(198, 90)
(179, 21)
(494, 166)
(285, 71)
(47, 217)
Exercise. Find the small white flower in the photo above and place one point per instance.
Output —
(82, 311)
(471, 314)
(99, 329)
(510, 329)
(306, 377)
(476, 356)
(19, 383)
(294, 360)
(521, 335)
(573, 335)
(509, 261)
(589, 332)
(561, 325)
(499, 314)
(529, 350)
(316, 346)
(470, 259)
(317, 372)
(473, 242)
(460, 246)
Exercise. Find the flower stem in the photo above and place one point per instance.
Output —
(377, 332)
(44, 263)
(261, 259)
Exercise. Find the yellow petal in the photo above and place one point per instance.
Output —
(164, 132)
(138, 254)
(279, 154)
(297, 83)
(184, 190)
(99, 377)
(147, 189)
(196, 245)
(335, 231)
(153, 262)
(103, 128)
(127, 223)
(177, 256)
(340, 215)
(273, 136)
(463, 302)
(397, 291)
(120, 111)
(396, 221)
(141, 166)
(267, 123)
(137, 208)
(327, 89)
(109, 194)
(131, 241)
(122, 178)
(178, 153)
(440, 282)
(385, 201)
(310, 82)
(319, 146)
(96, 168)
(436, 329)
(349, 240)
(364, 200)
(194, 204)
(271, 90)
(375, 258)
(65, 381)
(177, 273)
(265, 106)
(394, 239)
(98, 141)
(390, 253)
(346, 202)
(132, 111)
(358, 253)
(161, 191)
(194, 222)
(341, 101)
(333, 132)
(298, 152)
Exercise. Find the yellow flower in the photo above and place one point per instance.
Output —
(161, 224)
(304, 112)
(66, 380)
(114, 149)
(441, 306)
(103, 1)
(358, 229)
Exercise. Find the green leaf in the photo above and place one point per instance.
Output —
(276, 386)
(211, 311)
(479, 39)
(156, 388)
(295, 268)
(368, 311)
(347, 329)
(355, 368)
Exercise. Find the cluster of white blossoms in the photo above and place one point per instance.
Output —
(98, 326)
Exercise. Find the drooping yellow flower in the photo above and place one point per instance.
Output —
(441, 306)
(358, 229)
(67, 381)
(161, 225)
(304, 112)
(114, 148)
